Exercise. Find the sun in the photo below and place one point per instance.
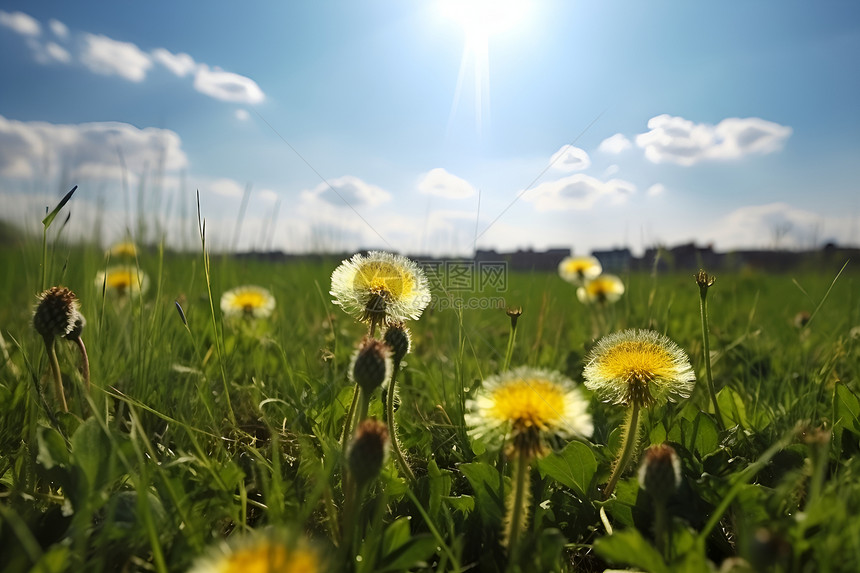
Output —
(479, 20)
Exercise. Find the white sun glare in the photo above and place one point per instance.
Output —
(479, 20)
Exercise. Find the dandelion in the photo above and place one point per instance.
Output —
(380, 288)
(660, 476)
(123, 250)
(526, 404)
(57, 314)
(247, 301)
(601, 290)
(637, 369)
(398, 338)
(260, 553)
(122, 281)
(368, 450)
(579, 270)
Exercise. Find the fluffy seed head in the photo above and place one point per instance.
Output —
(56, 312)
(640, 366)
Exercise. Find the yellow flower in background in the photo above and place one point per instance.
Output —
(578, 270)
(380, 288)
(259, 553)
(641, 366)
(526, 404)
(122, 281)
(604, 289)
(123, 250)
(249, 301)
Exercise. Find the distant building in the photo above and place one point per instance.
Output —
(614, 260)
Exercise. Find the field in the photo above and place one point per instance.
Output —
(198, 429)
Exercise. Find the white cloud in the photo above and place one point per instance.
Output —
(779, 225)
(267, 195)
(107, 56)
(570, 158)
(57, 53)
(225, 188)
(346, 191)
(86, 149)
(611, 170)
(615, 144)
(59, 29)
(677, 140)
(656, 189)
(577, 192)
(440, 183)
(21, 23)
(180, 64)
(242, 114)
(227, 86)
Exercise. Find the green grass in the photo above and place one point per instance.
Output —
(194, 434)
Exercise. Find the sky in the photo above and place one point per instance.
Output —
(435, 127)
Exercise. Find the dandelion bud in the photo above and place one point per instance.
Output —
(399, 340)
(514, 312)
(660, 472)
(704, 280)
(56, 312)
(368, 450)
(371, 365)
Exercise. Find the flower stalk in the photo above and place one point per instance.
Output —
(630, 433)
(705, 282)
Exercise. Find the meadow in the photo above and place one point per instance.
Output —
(197, 429)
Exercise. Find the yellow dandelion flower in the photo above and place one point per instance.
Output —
(125, 249)
(639, 366)
(249, 301)
(122, 280)
(579, 270)
(526, 403)
(380, 288)
(604, 289)
(261, 553)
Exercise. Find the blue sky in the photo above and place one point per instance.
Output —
(411, 127)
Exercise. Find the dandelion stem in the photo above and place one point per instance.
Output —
(389, 419)
(55, 370)
(519, 497)
(661, 527)
(85, 361)
(630, 432)
(705, 282)
(512, 335)
(347, 422)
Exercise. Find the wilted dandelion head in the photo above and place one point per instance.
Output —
(56, 312)
(578, 270)
(604, 289)
(122, 281)
(368, 450)
(260, 553)
(123, 250)
(371, 364)
(380, 288)
(247, 301)
(527, 404)
(638, 366)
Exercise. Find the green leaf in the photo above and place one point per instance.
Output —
(462, 503)
(414, 553)
(52, 448)
(699, 435)
(395, 535)
(628, 547)
(440, 486)
(91, 450)
(50, 217)
(573, 467)
(847, 408)
(486, 481)
(732, 408)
